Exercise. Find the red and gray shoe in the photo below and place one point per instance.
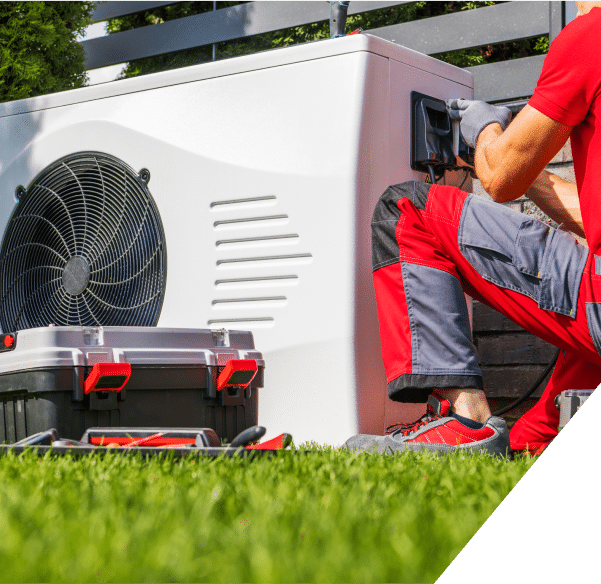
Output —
(438, 431)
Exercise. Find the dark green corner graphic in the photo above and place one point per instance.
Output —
(547, 529)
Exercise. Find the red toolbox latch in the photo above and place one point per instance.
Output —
(8, 342)
(237, 373)
(107, 377)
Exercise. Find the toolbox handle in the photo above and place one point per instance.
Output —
(107, 377)
(237, 373)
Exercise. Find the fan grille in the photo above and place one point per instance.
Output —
(85, 246)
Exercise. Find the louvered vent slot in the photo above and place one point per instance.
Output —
(263, 282)
(85, 246)
(254, 201)
(237, 304)
(260, 299)
(264, 320)
(250, 242)
(293, 257)
(260, 251)
(254, 222)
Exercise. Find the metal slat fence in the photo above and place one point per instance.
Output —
(221, 25)
(501, 23)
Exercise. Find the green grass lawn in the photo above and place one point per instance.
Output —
(323, 516)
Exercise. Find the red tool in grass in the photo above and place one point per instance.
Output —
(152, 441)
(249, 437)
(278, 443)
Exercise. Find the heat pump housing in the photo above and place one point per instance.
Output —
(263, 171)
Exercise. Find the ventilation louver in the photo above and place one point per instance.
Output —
(84, 247)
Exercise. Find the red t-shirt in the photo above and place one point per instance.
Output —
(569, 91)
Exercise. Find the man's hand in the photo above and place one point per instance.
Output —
(475, 116)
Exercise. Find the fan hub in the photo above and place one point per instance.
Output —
(76, 275)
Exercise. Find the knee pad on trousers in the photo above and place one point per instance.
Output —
(385, 248)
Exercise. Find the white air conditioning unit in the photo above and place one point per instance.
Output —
(236, 194)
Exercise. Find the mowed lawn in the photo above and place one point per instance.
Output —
(318, 516)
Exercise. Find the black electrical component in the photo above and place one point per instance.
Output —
(431, 135)
(432, 141)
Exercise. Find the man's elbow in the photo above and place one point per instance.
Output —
(499, 190)
(496, 191)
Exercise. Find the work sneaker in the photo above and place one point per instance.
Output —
(438, 430)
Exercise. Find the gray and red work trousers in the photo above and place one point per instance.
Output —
(432, 243)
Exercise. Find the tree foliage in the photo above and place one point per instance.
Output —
(311, 32)
(39, 52)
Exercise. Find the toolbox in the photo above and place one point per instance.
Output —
(74, 378)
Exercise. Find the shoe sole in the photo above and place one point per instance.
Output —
(497, 445)
(424, 447)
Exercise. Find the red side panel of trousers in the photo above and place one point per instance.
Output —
(394, 320)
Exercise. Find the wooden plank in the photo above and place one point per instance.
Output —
(496, 403)
(514, 349)
(208, 28)
(511, 381)
(470, 28)
(106, 10)
(506, 80)
(488, 320)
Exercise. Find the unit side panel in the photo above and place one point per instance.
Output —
(385, 159)
(373, 177)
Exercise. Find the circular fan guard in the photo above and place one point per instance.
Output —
(85, 246)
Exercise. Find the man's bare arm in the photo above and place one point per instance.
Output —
(507, 163)
(510, 164)
(557, 198)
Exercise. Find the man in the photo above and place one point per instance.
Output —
(431, 243)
